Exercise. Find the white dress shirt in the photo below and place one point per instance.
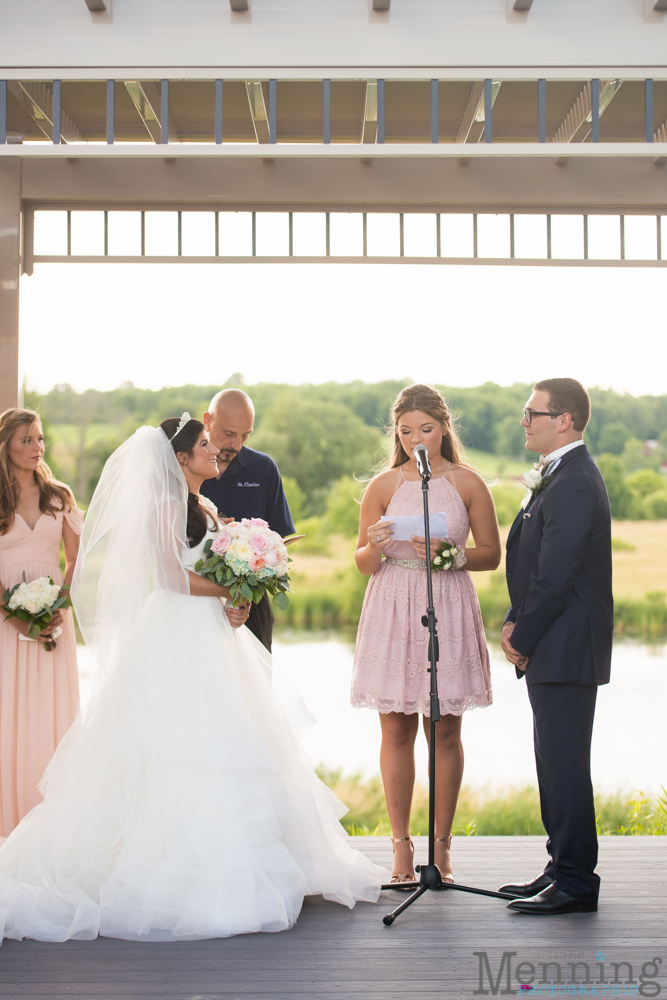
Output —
(552, 460)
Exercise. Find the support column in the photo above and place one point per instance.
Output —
(10, 217)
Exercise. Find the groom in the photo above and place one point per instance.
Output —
(558, 634)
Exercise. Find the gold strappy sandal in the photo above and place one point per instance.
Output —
(403, 877)
(446, 877)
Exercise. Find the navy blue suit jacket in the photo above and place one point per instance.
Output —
(559, 577)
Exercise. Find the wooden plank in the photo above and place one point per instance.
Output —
(334, 952)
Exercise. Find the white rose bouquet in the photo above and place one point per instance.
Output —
(448, 556)
(250, 559)
(36, 603)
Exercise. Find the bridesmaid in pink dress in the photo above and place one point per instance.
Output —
(391, 660)
(39, 691)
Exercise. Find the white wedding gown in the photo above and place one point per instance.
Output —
(180, 804)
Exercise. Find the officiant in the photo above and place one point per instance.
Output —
(248, 483)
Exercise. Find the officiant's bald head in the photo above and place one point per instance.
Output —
(232, 400)
(229, 421)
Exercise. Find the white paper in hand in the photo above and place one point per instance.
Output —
(405, 527)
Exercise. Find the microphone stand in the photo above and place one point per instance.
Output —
(430, 876)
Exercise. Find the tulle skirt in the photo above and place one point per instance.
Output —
(180, 805)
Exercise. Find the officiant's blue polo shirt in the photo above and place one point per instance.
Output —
(251, 486)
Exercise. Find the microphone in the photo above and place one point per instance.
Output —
(420, 455)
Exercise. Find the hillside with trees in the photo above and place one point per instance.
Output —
(321, 434)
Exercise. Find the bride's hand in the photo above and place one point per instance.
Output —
(238, 616)
(378, 535)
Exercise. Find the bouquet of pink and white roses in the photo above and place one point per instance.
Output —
(250, 559)
(36, 603)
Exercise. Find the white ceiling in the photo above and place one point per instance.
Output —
(340, 34)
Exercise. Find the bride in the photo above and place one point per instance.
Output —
(180, 804)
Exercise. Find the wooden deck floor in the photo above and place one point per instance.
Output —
(428, 953)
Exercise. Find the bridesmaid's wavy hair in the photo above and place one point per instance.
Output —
(428, 400)
(53, 496)
(199, 517)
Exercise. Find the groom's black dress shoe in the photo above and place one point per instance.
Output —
(524, 890)
(551, 901)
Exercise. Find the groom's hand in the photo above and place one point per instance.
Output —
(512, 654)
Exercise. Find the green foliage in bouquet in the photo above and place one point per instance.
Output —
(38, 622)
(250, 587)
(445, 557)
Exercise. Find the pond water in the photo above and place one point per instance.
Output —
(629, 741)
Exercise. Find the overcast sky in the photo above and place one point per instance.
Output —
(155, 325)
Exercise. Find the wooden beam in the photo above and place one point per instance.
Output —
(258, 112)
(10, 214)
(37, 100)
(623, 183)
(381, 5)
(146, 97)
(475, 102)
(522, 4)
(578, 122)
(96, 6)
(239, 5)
(369, 125)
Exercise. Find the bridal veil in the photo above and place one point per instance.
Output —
(132, 541)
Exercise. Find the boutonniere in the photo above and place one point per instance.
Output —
(534, 481)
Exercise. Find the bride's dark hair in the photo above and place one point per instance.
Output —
(199, 517)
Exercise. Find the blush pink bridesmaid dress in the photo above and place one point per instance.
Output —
(39, 691)
(391, 658)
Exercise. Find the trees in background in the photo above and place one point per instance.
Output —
(316, 442)
(319, 434)
(639, 496)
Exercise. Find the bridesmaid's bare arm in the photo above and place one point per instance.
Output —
(368, 554)
(485, 554)
(71, 547)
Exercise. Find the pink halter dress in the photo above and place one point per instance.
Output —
(391, 658)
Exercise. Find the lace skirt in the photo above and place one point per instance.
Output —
(391, 659)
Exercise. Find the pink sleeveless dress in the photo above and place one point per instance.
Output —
(391, 658)
(39, 691)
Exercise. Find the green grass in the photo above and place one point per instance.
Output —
(645, 615)
(339, 601)
(498, 466)
(618, 545)
(70, 435)
(509, 812)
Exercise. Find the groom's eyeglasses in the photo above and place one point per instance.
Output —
(529, 414)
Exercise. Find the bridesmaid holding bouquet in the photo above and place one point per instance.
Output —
(391, 660)
(39, 688)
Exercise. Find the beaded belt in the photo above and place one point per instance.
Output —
(409, 563)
